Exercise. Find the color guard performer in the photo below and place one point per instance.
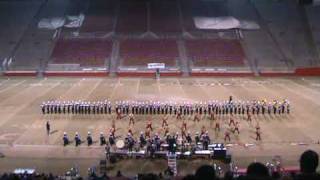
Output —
(183, 133)
(227, 135)
(130, 131)
(236, 128)
(203, 130)
(217, 126)
(149, 125)
(249, 118)
(196, 117)
(179, 115)
(131, 119)
(231, 121)
(184, 125)
(166, 131)
(118, 113)
(258, 134)
(212, 116)
(164, 121)
(148, 133)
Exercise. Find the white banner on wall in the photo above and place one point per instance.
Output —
(156, 65)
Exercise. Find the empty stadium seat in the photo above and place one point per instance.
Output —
(86, 52)
(164, 17)
(141, 52)
(217, 52)
(132, 17)
(99, 17)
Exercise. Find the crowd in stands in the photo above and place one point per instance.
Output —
(255, 171)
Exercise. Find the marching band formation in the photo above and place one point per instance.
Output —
(170, 142)
(76, 107)
(158, 107)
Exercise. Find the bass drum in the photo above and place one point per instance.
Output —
(120, 144)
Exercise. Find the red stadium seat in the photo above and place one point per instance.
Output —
(86, 52)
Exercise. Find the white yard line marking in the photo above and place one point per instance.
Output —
(12, 86)
(114, 89)
(304, 87)
(55, 138)
(301, 94)
(158, 85)
(4, 81)
(94, 87)
(138, 86)
(26, 104)
(61, 97)
(185, 96)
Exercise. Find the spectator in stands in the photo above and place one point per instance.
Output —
(205, 172)
(119, 174)
(257, 171)
(149, 176)
(168, 172)
(309, 161)
(228, 175)
(189, 177)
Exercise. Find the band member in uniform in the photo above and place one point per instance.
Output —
(197, 138)
(230, 99)
(269, 108)
(263, 106)
(64, 107)
(188, 138)
(129, 142)
(275, 104)
(77, 139)
(142, 140)
(112, 139)
(43, 108)
(89, 139)
(205, 141)
(102, 139)
(288, 106)
(65, 139)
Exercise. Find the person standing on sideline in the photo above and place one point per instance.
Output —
(48, 127)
